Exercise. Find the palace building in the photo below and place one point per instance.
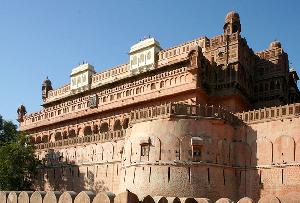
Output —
(206, 118)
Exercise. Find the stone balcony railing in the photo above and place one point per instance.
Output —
(101, 137)
(272, 113)
(182, 110)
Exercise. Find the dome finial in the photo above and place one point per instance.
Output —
(275, 44)
(232, 16)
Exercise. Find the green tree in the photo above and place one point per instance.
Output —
(18, 163)
(8, 131)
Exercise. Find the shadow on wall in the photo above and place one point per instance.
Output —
(57, 174)
(246, 158)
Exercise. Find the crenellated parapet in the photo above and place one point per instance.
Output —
(179, 110)
(269, 114)
(125, 197)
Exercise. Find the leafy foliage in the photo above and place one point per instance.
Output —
(8, 131)
(18, 163)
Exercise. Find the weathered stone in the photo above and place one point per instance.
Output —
(24, 197)
(3, 196)
(12, 197)
(84, 197)
(126, 197)
(245, 200)
(292, 197)
(203, 200)
(224, 200)
(67, 197)
(52, 197)
(269, 199)
(104, 197)
(37, 197)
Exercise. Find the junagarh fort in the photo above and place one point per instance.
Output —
(209, 118)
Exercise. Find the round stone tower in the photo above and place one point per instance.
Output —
(46, 86)
(232, 23)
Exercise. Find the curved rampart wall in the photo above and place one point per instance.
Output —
(187, 157)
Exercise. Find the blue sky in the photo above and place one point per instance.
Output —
(49, 38)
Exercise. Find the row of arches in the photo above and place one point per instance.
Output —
(118, 92)
(225, 152)
(176, 80)
(87, 130)
(91, 153)
(261, 152)
(267, 86)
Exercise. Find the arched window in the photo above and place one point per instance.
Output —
(65, 135)
(58, 136)
(45, 139)
(125, 123)
(137, 91)
(162, 84)
(117, 125)
(38, 140)
(112, 97)
(72, 133)
(95, 129)
(153, 86)
(235, 28)
(32, 140)
(104, 127)
(87, 131)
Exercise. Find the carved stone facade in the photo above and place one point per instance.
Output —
(166, 123)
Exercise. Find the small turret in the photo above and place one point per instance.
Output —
(275, 44)
(21, 113)
(46, 86)
(232, 23)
